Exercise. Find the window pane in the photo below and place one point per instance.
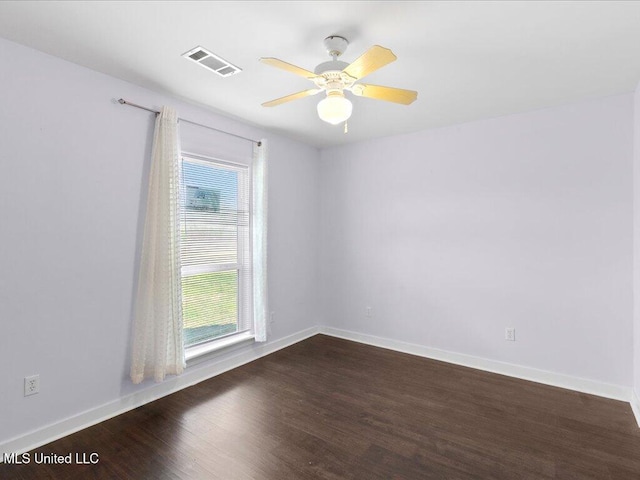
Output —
(209, 215)
(209, 306)
(215, 260)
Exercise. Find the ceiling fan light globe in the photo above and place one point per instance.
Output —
(334, 109)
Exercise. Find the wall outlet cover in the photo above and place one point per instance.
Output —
(31, 385)
(510, 334)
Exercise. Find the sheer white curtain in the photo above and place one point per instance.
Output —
(157, 326)
(259, 240)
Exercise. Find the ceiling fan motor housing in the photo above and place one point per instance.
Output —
(330, 66)
(330, 74)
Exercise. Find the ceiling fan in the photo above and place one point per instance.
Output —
(335, 76)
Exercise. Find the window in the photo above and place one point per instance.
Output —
(215, 248)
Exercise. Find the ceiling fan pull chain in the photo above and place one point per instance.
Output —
(346, 127)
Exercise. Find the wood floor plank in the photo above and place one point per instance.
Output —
(331, 409)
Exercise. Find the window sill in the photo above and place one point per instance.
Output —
(200, 353)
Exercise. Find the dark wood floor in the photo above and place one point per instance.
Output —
(331, 409)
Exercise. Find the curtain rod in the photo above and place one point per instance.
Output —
(122, 101)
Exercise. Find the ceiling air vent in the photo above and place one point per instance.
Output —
(211, 61)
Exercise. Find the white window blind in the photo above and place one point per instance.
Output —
(215, 249)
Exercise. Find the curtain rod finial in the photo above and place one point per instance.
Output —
(121, 101)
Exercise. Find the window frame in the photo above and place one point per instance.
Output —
(195, 353)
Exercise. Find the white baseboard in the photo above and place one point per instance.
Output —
(49, 433)
(635, 405)
(616, 392)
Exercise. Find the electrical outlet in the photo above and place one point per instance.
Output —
(31, 385)
(510, 334)
(368, 312)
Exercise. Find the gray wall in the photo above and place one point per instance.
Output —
(453, 234)
(72, 195)
(636, 250)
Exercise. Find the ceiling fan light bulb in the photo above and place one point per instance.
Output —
(334, 109)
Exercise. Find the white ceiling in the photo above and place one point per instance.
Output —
(467, 60)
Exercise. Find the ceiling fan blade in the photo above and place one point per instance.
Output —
(388, 94)
(274, 62)
(370, 61)
(293, 96)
